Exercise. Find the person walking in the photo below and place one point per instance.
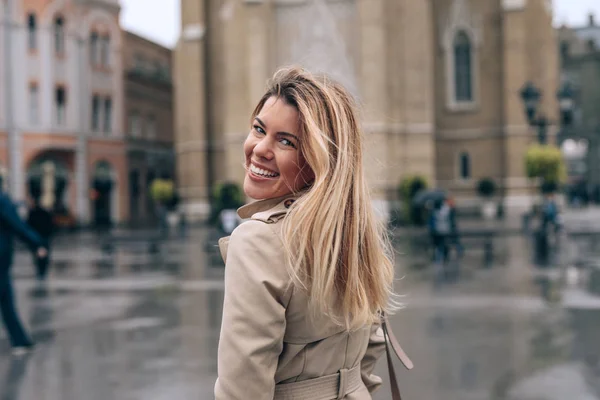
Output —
(454, 237)
(310, 273)
(40, 220)
(11, 225)
(440, 227)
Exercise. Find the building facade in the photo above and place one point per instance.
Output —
(149, 121)
(580, 67)
(439, 82)
(61, 103)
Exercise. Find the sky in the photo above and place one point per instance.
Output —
(159, 20)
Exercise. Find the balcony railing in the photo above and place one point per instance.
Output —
(150, 74)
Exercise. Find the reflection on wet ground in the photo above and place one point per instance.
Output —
(139, 325)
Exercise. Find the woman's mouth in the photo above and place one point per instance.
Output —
(262, 173)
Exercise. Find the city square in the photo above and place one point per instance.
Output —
(131, 323)
(467, 130)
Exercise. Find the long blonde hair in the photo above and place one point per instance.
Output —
(338, 251)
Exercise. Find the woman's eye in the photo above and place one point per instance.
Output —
(259, 129)
(287, 142)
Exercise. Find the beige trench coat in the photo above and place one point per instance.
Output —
(267, 337)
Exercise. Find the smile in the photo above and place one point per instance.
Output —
(262, 172)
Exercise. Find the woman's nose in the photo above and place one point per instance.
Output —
(264, 148)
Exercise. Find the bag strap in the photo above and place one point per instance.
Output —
(390, 339)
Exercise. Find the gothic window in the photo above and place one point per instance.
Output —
(463, 76)
(465, 165)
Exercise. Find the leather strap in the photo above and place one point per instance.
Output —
(390, 339)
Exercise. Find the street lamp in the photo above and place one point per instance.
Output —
(566, 104)
(531, 97)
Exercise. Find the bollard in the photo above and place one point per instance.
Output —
(541, 247)
(488, 252)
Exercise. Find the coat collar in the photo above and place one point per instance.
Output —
(269, 210)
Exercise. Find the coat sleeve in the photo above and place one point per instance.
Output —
(374, 351)
(9, 216)
(253, 324)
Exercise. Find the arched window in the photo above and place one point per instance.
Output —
(465, 165)
(32, 32)
(59, 35)
(105, 51)
(463, 77)
(94, 48)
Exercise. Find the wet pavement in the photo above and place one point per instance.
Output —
(144, 324)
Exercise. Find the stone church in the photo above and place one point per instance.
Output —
(438, 81)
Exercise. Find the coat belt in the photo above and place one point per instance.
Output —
(328, 387)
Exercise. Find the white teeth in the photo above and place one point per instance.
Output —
(262, 172)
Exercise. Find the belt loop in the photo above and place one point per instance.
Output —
(343, 384)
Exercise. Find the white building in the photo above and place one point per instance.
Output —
(61, 100)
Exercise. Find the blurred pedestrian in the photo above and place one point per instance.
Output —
(12, 225)
(41, 221)
(454, 236)
(439, 231)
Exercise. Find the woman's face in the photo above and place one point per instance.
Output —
(274, 165)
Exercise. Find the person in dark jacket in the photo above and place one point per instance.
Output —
(11, 225)
(41, 221)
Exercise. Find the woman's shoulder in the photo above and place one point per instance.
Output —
(256, 231)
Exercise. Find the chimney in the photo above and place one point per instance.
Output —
(592, 19)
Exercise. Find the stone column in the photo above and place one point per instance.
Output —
(259, 17)
(82, 176)
(191, 142)
(11, 54)
(236, 73)
(517, 133)
(374, 93)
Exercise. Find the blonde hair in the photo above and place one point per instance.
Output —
(338, 251)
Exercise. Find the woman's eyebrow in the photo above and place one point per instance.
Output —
(280, 133)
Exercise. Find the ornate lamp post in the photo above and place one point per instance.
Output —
(566, 103)
(531, 97)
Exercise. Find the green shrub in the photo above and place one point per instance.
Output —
(546, 163)
(409, 187)
(162, 191)
(486, 187)
(227, 195)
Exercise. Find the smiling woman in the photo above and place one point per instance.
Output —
(308, 276)
(274, 164)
